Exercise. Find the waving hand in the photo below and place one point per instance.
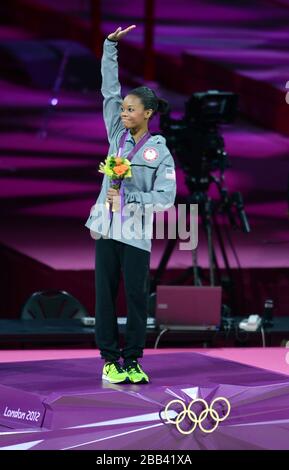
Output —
(119, 33)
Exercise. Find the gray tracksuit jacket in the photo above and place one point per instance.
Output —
(151, 188)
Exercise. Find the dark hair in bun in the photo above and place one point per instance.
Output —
(150, 100)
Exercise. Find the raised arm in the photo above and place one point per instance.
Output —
(110, 89)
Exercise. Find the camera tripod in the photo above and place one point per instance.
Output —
(232, 207)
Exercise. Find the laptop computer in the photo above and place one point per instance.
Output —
(188, 307)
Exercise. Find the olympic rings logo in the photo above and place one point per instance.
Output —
(208, 411)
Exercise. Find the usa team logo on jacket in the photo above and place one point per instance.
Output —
(150, 154)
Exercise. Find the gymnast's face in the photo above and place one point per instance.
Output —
(133, 114)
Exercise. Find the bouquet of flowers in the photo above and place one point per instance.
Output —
(116, 168)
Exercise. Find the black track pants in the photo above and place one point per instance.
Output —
(112, 258)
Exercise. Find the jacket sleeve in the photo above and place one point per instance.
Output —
(163, 193)
(111, 89)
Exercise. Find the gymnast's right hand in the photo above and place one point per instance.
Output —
(119, 33)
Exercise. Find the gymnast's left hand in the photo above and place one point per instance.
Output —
(111, 193)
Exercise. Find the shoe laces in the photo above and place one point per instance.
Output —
(116, 365)
(133, 366)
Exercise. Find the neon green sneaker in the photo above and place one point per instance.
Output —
(115, 374)
(136, 374)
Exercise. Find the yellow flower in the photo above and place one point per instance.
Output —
(116, 167)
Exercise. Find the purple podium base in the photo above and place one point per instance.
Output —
(62, 404)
